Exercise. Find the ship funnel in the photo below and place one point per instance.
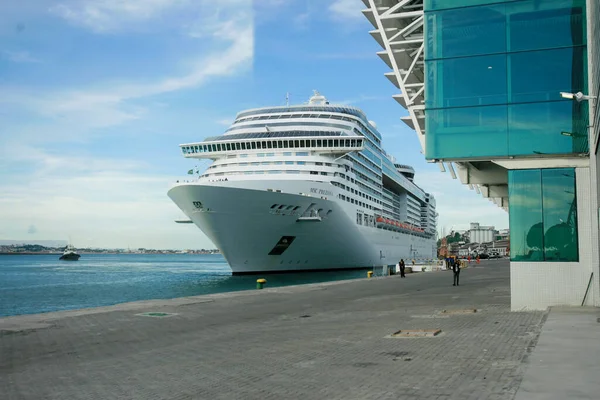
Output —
(317, 99)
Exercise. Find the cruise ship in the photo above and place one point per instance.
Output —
(306, 187)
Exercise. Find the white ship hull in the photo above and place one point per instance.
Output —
(239, 219)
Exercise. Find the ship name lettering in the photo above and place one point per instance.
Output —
(321, 191)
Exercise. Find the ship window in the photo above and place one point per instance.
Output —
(278, 162)
(237, 146)
(302, 143)
(323, 173)
(285, 144)
(264, 145)
(336, 143)
(301, 163)
(302, 153)
(289, 207)
(253, 144)
(297, 207)
(243, 155)
(319, 143)
(330, 142)
(265, 163)
(243, 164)
(313, 143)
(270, 154)
(314, 173)
(287, 153)
(280, 207)
(352, 143)
(296, 143)
(280, 144)
(260, 154)
(228, 146)
(269, 144)
(255, 163)
(274, 205)
(289, 163)
(275, 144)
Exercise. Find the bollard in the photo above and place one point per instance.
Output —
(260, 283)
(369, 274)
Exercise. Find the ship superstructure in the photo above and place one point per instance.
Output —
(306, 187)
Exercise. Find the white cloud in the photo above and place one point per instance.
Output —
(347, 10)
(224, 121)
(19, 56)
(112, 104)
(107, 16)
(97, 201)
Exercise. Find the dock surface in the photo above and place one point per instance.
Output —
(320, 341)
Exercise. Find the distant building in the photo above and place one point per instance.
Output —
(481, 234)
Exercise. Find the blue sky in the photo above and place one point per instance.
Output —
(96, 95)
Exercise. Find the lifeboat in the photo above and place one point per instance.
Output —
(379, 219)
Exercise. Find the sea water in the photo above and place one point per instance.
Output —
(31, 284)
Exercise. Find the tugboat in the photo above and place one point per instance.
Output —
(70, 254)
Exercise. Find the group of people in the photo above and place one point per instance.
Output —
(454, 263)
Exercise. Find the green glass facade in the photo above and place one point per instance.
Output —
(543, 215)
(494, 70)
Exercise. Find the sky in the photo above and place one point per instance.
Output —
(96, 96)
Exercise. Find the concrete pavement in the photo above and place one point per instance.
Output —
(306, 342)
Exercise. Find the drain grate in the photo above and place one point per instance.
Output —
(416, 333)
(456, 312)
(156, 314)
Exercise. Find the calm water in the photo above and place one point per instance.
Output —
(42, 283)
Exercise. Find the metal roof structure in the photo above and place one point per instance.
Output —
(399, 30)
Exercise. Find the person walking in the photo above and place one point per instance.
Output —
(456, 272)
(402, 268)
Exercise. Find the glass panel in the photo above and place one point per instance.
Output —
(548, 128)
(431, 5)
(560, 215)
(525, 215)
(466, 132)
(468, 81)
(466, 32)
(547, 24)
(542, 75)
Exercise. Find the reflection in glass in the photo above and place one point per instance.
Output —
(555, 23)
(466, 132)
(525, 214)
(542, 75)
(543, 128)
(560, 215)
(465, 32)
(543, 215)
(471, 81)
(431, 5)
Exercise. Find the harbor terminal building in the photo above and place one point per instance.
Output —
(503, 96)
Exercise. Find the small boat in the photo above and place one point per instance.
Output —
(70, 254)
